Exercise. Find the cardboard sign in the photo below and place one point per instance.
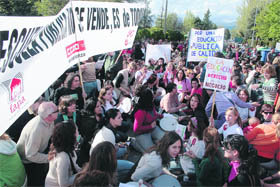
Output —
(204, 44)
(158, 51)
(218, 73)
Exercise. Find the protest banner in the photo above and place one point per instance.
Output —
(217, 76)
(158, 51)
(204, 44)
(35, 51)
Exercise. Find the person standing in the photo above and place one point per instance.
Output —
(33, 143)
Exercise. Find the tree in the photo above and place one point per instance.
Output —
(198, 24)
(49, 7)
(246, 19)
(188, 23)
(227, 34)
(268, 22)
(147, 19)
(173, 22)
(17, 8)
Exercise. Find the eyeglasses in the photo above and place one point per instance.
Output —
(268, 113)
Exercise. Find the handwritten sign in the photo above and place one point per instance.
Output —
(218, 73)
(205, 43)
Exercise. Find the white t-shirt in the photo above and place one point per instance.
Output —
(226, 130)
(104, 134)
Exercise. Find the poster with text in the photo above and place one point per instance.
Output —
(35, 51)
(218, 73)
(277, 46)
(204, 44)
(158, 51)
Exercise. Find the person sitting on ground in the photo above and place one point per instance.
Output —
(63, 167)
(170, 103)
(102, 159)
(243, 161)
(12, 171)
(152, 167)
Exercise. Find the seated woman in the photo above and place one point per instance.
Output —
(91, 121)
(67, 111)
(12, 172)
(243, 161)
(170, 103)
(103, 160)
(74, 89)
(63, 167)
(106, 99)
(195, 109)
(244, 113)
(152, 165)
(145, 116)
(109, 133)
(183, 84)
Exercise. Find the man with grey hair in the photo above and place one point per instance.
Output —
(34, 141)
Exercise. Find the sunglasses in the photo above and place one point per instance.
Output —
(268, 112)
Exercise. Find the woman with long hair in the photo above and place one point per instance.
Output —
(152, 165)
(195, 109)
(106, 98)
(109, 133)
(63, 167)
(145, 116)
(103, 158)
(92, 120)
(243, 161)
(73, 88)
(209, 170)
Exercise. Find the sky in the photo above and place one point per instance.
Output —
(223, 12)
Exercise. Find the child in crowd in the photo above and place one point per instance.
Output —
(209, 172)
(194, 144)
(253, 122)
(233, 123)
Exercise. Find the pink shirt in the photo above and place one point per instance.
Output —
(143, 121)
(197, 91)
(184, 85)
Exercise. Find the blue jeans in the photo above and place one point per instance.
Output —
(121, 152)
(123, 169)
(220, 120)
(166, 181)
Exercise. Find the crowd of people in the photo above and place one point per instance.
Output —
(81, 131)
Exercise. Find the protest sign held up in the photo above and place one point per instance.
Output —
(35, 51)
(205, 43)
(158, 51)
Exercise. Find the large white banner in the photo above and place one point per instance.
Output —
(204, 44)
(218, 73)
(158, 51)
(35, 51)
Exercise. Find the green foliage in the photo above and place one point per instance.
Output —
(17, 8)
(206, 23)
(49, 7)
(268, 22)
(173, 22)
(246, 19)
(147, 18)
(143, 34)
(188, 23)
(227, 34)
(157, 33)
(174, 35)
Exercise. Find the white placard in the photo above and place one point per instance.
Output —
(218, 73)
(277, 46)
(158, 51)
(204, 44)
(35, 51)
